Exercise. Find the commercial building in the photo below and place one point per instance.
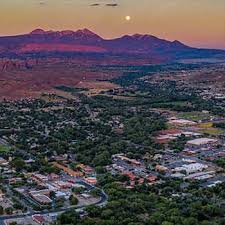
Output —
(191, 168)
(38, 219)
(202, 141)
(43, 199)
(181, 122)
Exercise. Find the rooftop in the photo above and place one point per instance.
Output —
(201, 141)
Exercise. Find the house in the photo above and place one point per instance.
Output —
(131, 176)
(3, 161)
(126, 159)
(151, 178)
(161, 168)
(60, 194)
(15, 180)
(38, 219)
(53, 176)
(88, 170)
(91, 180)
(39, 178)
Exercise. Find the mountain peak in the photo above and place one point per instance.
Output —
(38, 31)
(79, 34)
(85, 31)
(179, 44)
(143, 36)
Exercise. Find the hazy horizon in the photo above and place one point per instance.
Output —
(196, 23)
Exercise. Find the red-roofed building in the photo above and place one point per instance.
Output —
(38, 219)
(170, 131)
(88, 170)
(152, 178)
(130, 175)
(91, 180)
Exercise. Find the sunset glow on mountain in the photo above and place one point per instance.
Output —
(197, 23)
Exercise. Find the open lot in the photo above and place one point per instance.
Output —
(23, 83)
(196, 116)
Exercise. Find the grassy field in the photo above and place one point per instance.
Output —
(177, 103)
(212, 131)
(205, 125)
(4, 149)
(207, 128)
(196, 116)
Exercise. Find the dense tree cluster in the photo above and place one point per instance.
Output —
(154, 206)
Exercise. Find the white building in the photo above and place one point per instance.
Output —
(181, 122)
(202, 141)
(191, 168)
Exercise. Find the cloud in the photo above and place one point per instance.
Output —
(108, 4)
(42, 3)
(111, 4)
(95, 4)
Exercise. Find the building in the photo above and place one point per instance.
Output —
(200, 175)
(39, 178)
(3, 161)
(42, 199)
(161, 168)
(38, 219)
(202, 141)
(181, 122)
(151, 178)
(53, 176)
(62, 184)
(131, 176)
(166, 136)
(126, 159)
(191, 168)
(67, 170)
(91, 180)
(60, 194)
(88, 170)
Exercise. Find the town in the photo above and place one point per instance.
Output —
(60, 155)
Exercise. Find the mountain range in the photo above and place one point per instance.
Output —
(39, 43)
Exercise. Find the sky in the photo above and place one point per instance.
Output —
(199, 23)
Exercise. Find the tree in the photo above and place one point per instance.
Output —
(1, 210)
(73, 200)
(13, 223)
(167, 223)
(9, 210)
(78, 190)
(71, 217)
(96, 192)
(18, 164)
(52, 194)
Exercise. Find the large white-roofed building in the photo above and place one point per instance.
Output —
(191, 168)
(202, 141)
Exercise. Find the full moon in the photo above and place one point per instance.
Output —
(128, 18)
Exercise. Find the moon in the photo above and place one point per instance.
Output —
(128, 18)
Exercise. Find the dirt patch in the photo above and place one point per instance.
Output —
(18, 84)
